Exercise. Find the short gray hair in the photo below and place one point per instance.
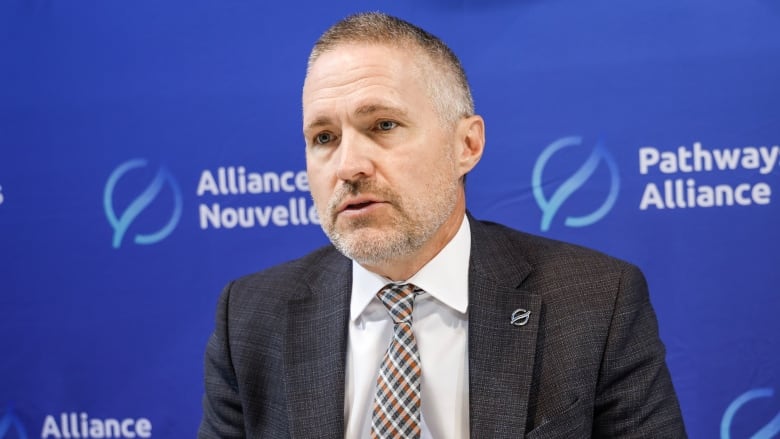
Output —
(447, 85)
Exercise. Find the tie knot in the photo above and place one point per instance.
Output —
(399, 300)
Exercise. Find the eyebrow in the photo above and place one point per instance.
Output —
(363, 110)
(316, 123)
(369, 109)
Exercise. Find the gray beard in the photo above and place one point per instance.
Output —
(405, 235)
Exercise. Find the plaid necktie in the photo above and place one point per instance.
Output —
(396, 411)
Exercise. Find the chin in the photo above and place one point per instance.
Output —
(363, 237)
(368, 245)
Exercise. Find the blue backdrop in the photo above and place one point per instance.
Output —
(151, 151)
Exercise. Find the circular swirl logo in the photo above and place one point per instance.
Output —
(520, 317)
(551, 206)
(120, 223)
(768, 431)
(11, 426)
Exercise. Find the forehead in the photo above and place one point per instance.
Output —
(350, 73)
(366, 52)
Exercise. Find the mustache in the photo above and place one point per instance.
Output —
(357, 187)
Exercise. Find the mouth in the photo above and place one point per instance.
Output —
(358, 205)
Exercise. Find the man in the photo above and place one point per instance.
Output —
(421, 321)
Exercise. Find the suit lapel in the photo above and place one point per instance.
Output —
(315, 353)
(501, 355)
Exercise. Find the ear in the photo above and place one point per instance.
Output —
(470, 143)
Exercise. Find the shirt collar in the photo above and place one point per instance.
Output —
(445, 277)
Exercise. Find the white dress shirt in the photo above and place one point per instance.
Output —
(440, 325)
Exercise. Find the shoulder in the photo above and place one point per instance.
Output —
(290, 280)
(542, 251)
(554, 267)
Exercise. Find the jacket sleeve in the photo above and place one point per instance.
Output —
(222, 412)
(635, 397)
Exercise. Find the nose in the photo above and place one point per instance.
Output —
(355, 157)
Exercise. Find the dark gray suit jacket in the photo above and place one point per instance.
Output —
(588, 363)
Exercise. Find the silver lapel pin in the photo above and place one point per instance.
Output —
(520, 317)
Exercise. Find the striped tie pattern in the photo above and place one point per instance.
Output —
(396, 412)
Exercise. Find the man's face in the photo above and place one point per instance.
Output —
(382, 167)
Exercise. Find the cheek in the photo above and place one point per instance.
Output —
(320, 185)
(434, 165)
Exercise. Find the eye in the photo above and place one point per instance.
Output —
(323, 138)
(386, 125)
